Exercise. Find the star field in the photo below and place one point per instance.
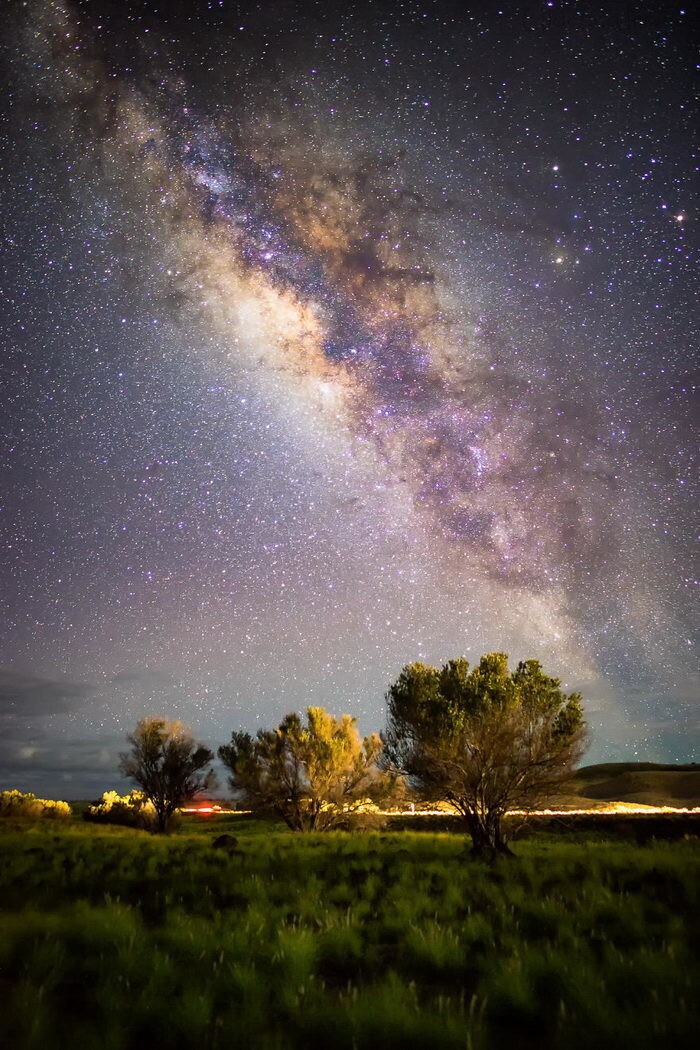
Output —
(336, 337)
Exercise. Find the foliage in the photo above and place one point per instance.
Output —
(110, 938)
(314, 777)
(485, 740)
(28, 807)
(134, 810)
(168, 765)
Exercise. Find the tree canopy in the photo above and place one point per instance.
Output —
(168, 765)
(484, 739)
(314, 776)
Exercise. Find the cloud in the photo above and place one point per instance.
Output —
(56, 732)
(41, 760)
(28, 696)
(34, 754)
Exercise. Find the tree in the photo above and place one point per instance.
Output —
(314, 777)
(484, 740)
(168, 765)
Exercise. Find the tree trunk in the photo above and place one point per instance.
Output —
(488, 841)
(163, 817)
(502, 846)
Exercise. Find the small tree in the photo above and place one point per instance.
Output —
(314, 777)
(484, 740)
(168, 765)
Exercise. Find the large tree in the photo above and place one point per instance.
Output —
(314, 777)
(168, 765)
(485, 740)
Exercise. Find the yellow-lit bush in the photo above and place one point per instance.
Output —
(28, 807)
(133, 810)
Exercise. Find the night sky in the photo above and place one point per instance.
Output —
(335, 337)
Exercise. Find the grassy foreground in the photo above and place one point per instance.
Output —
(111, 938)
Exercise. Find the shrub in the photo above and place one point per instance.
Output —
(133, 810)
(28, 807)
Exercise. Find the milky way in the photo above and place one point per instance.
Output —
(336, 338)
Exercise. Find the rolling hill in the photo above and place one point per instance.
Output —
(643, 783)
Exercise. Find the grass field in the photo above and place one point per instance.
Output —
(111, 938)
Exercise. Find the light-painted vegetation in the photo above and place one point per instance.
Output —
(134, 810)
(314, 776)
(25, 806)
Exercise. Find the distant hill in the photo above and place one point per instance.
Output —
(645, 783)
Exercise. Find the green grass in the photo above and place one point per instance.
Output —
(115, 939)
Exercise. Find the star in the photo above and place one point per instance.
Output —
(310, 372)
